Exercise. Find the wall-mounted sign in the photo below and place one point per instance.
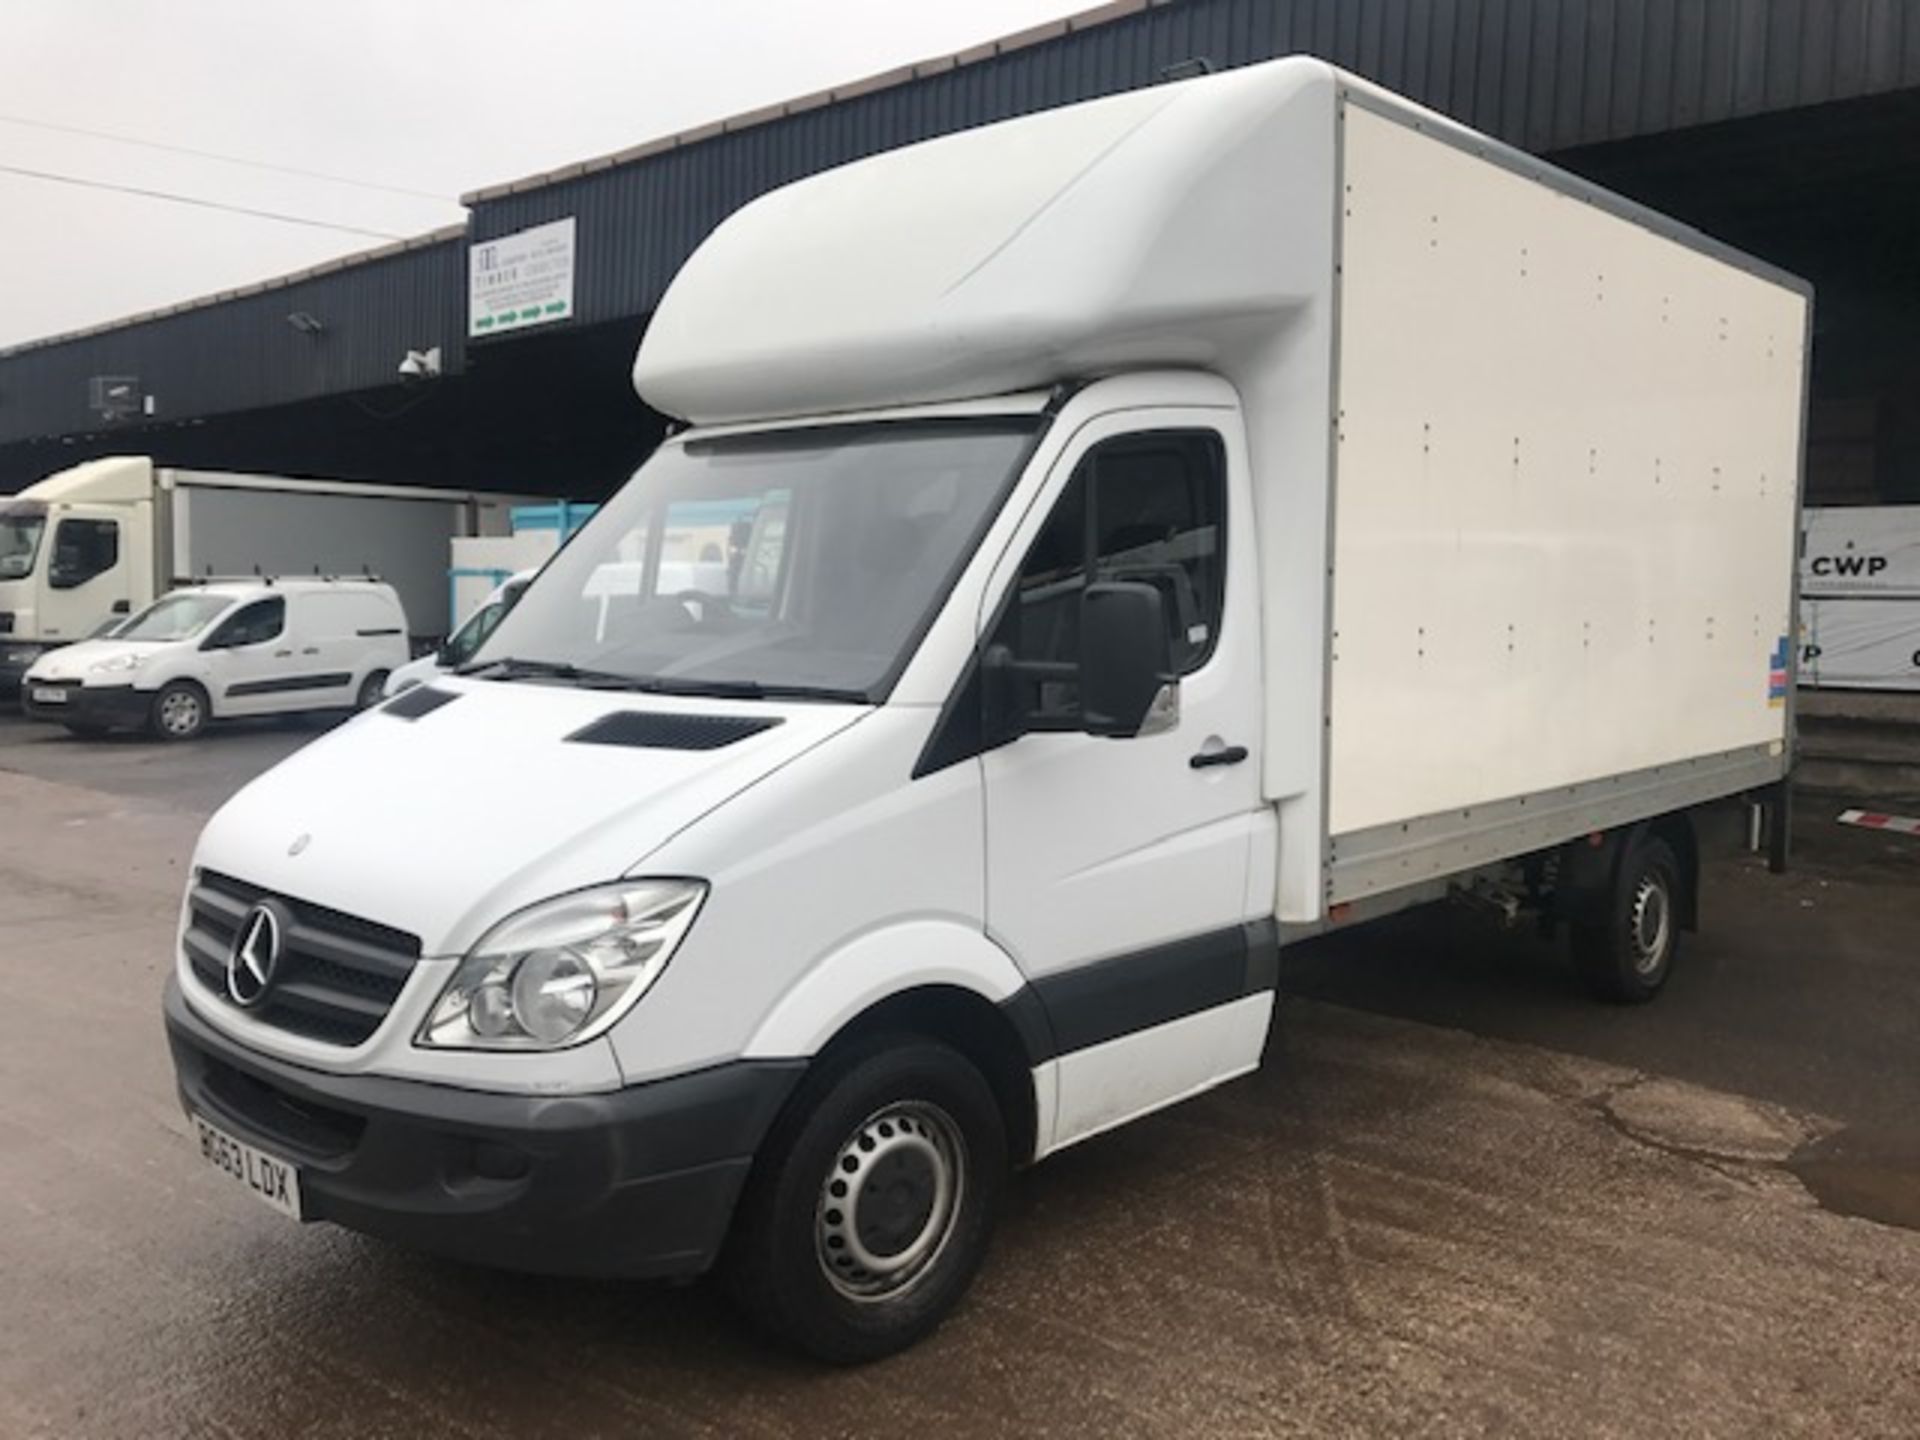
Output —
(520, 280)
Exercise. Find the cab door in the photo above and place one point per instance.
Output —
(250, 660)
(88, 573)
(1117, 869)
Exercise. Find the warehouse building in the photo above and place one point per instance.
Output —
(1788, 128)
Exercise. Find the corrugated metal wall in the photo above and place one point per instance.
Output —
(241, 353)
(1541, 74)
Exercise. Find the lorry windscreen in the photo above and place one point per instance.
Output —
(796, 563)
(175, 617)
(21, 526)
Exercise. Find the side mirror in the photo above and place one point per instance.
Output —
(1126, 656)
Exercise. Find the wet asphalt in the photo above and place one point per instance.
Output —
(1456, 1199)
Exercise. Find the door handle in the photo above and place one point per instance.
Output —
(311, 650)
(282, 654)
(1225, 755)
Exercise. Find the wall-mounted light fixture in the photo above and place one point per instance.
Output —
(306, 323)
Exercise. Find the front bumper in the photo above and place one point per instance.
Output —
(12, 671)
(636, 1182)
(99, 707)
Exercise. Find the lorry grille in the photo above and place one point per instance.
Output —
(338, 974)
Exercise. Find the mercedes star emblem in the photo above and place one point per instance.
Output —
(256, 954)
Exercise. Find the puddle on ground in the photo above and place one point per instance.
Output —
(1874, 1175)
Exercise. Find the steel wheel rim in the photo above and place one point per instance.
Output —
(890, 1201)
(180, 713)
(1652, 923)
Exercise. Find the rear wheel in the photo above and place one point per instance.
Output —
(371, 690)
(1625, 947)
(179, 711)
(871, 1206)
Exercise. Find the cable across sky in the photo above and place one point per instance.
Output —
(198, 201)
(223, 159)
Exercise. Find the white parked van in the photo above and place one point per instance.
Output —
(225, 649)
(462, 644)
(1108, 545)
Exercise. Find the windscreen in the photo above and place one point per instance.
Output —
(21, 526)
(175, 617)
(799, 563)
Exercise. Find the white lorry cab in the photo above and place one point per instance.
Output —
(225, 649)
(1107, 546)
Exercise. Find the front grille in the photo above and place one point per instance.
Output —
(338, 974)
(312, 1130)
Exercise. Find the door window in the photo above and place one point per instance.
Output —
(83, 549)
(1149, 508)
(253, 624)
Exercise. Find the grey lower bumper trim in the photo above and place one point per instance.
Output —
(1391, 857)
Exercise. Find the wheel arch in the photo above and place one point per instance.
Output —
(959, 988)
(1589, 872)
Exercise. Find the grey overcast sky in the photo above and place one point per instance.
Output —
(435, 96)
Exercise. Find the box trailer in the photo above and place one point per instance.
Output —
(109, 536)
(1107, 546)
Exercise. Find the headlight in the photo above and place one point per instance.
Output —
(116, 664)
(20, 654)
(563, 971)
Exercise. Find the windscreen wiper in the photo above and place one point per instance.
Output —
(754, 690)
(513, 668)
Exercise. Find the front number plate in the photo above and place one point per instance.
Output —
(49, 696)
(273, 1181)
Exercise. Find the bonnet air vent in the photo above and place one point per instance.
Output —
(648, 730)
(420, 700)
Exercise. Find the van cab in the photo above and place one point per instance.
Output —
(223, 650)
(465, 641)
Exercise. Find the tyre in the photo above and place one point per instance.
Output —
(1626, 946)
(370, 690)
(180, 711)
(870, 1207)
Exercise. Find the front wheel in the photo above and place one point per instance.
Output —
(371, 690)
(1625, 947)
(871, 1206)
(179, 711)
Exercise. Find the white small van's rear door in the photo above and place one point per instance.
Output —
(1117, 869)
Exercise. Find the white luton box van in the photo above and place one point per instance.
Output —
(1108, 544)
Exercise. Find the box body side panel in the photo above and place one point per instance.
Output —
(1566, 490)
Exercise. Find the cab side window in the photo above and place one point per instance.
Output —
(253, 624)
(1148, 508)
(83, 549)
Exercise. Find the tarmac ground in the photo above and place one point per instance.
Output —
(1458, 1198)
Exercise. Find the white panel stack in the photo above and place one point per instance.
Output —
(1860, 619)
